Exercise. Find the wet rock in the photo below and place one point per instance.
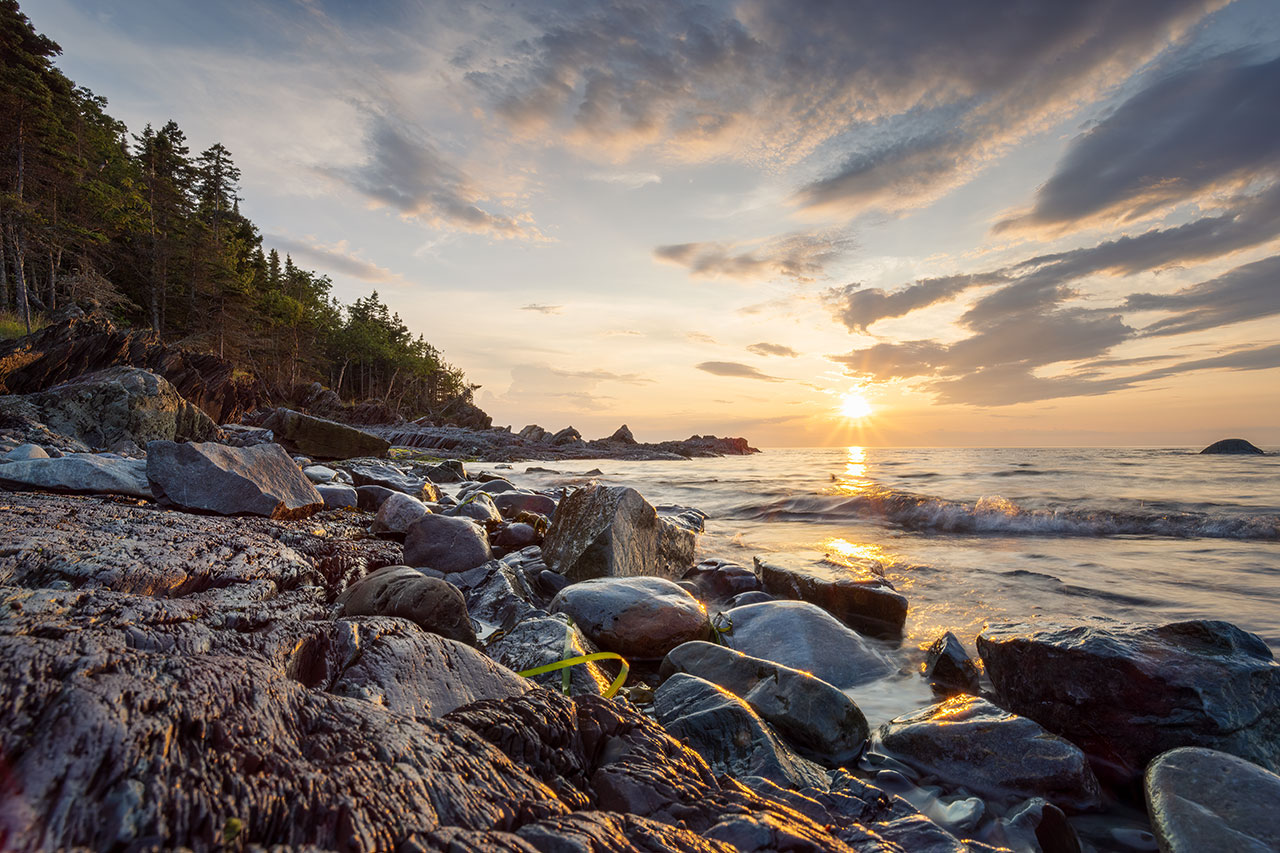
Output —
(446, 544)
(720, 580)
(323, 439)
(968, 742)
(79, 473)
(371, 498)
(478, 507)
(497, 594)
(23, 452)
(1126, 693)
(1233, 445)
(819, 721)
(510, 504)
(1202, 799)
(640, 618)
(745, 598)
(948, 668)
(319, 474)
(448, 471)
(515, 535)
(693, 520)
(803, 636)
(397, 513)
(390, 477)
(868, 605)
(338, 496)
(1039, 822)
(728, 734)
(431, 604)
(540, 640)
(210, 477)
(612, 531)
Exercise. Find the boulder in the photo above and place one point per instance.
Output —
(477, 507)
(1202, 799)
(319, 474)
(448, 471)
(1126, 693)
(117, 404)
(23, 452)
(497, 594)
(868, 605)
(430, 603)
(641, 618)
(968, 742)
(515, 535)
(819, 721)
(729, 735)
(612, 531)
(390, 477)
(323, 439)
(207, 477)
(622, 435)
(397, 513)
(534, 433)
(719, 580)
(79, 473)
(240, 435)
(511, 504)
(338, 496)
(803, 636)
(370, 498)
(492, 485)
(948, 668)
(446, 544)
(1233, 446)
(540, 640)
(568, 435)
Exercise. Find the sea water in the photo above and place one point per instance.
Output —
(978, 536)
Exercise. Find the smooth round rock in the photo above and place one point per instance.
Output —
(511, 504)
(446, 544)
(431, 604)
(319, 474)
(398, 512)
(515, 535)
(720, 580)
(23, 452)
(371, 497)
(478, 507)
(1201, 799)
(640, 618)
(1238, 446)
(338, 495)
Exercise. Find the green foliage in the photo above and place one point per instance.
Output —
(11, 325)
(155, 235)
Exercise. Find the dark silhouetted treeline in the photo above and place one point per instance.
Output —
(152, 232)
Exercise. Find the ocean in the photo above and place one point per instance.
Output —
(976, 536)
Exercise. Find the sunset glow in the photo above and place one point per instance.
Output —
(855, 406)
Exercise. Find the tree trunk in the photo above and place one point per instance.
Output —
(337, 386)
(20, 276)
(53, 282)
(4, 273)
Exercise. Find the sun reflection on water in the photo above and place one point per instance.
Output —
(853, 481)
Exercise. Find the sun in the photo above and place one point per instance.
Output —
(855, 406)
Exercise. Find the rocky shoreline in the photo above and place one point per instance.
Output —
(215, 640)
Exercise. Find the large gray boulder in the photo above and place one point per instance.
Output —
(1202, 799)
(323, 439)
(1127, 693)
(512, 503)
(869, 605)
(24, 452)
(640, 618)
(120, 404)
(803, 636)
(430, 603)
(397, 513)
(612, 531)
(338, 496)
(729, 735)
(968, 742)
(79, 473)
(819, 721)
(367, 473)
(446, 544)
(258, 480)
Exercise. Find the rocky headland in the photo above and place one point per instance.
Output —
(291, 633)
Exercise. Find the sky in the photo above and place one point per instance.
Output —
(997, 223)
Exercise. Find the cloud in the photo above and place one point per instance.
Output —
(858, 307)
(733, 368)
(542, 309)
(801, 257)
(333, 258)
(540, 384)
(763, 82)
(700, 337)
(1245, 293)
(1208, 128)
(405, 172)
(630, 180)
(772, 349)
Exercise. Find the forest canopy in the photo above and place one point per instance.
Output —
(140, 226)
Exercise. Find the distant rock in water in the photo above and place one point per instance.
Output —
(1234, 446)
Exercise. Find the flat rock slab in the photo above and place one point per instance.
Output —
(612, 531)
(259, 480)
(1126, 693)
(969, 742)
(79, 473)
(1202, 799)
(728, 735)
(804, 636)
(430, 603)
(323, 439)
(820, 722)
(868, 605)
(636, 617)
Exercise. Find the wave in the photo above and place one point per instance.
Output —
(997, 516)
